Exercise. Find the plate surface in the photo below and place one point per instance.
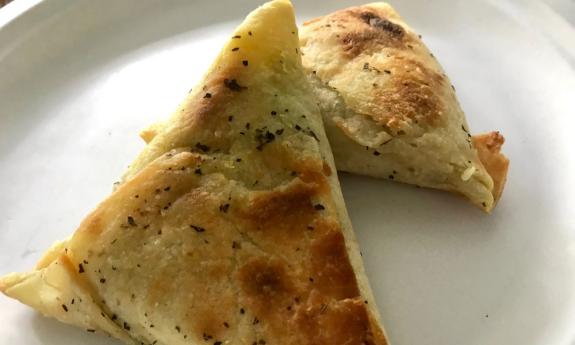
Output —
(79, 79)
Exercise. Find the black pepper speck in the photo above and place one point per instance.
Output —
(197, 228)
(131, 221)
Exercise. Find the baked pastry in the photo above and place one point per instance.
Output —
(230, 226)
(389, 109)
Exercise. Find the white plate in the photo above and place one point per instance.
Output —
(79, 79)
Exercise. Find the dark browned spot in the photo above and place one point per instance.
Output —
(408, 99)
(412, 96)
(382, 24)
(211, 323)
(271, 209)
(331, 266)
(355, 43)
(233, 85)
(265, 282)
(374, 33)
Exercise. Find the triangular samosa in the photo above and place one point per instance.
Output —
(229, 228)
(389, 109)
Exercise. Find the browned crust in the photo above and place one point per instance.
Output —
(348, 320)
(284, 209)
(410, 97)
(488, 147)
(365, 29)
(332, 270)
(321, 292)
(402, 87)
(296, 280)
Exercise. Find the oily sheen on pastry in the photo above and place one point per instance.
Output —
(230, 226)
(389, 109)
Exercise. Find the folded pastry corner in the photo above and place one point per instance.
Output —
(389, 109)
(488, 146)
(230, 226)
